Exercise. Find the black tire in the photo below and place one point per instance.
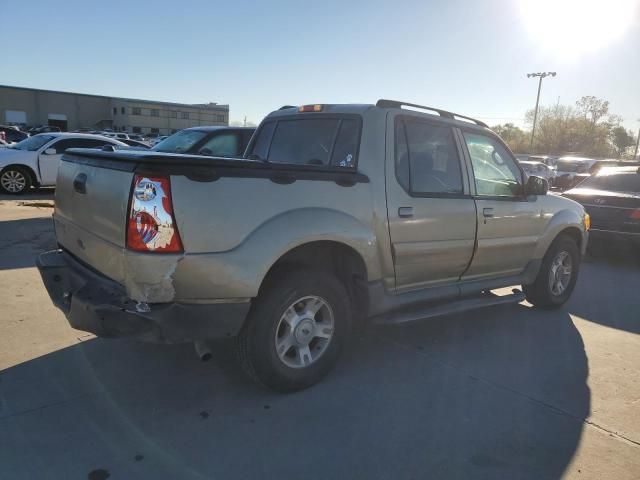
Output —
(17, 173)
(539, 293)
(256, 343)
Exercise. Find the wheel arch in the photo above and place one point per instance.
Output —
(22, 166)
(338, 258)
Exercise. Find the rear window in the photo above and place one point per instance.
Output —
(626, 182)
(328, 141)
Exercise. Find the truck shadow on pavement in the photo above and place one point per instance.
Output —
(497, 393)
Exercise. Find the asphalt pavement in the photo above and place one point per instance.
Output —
(507, 392)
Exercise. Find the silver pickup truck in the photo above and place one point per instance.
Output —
(337, 214)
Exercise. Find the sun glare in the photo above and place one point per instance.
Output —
(571, 28)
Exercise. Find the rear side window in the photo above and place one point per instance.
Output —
(427, 159)
(327, 141)
(63, 145)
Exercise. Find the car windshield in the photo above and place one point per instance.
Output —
(33, 143)
(180, 142)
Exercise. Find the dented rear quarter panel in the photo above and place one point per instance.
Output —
(233, 229)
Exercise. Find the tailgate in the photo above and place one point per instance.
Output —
(91, 210)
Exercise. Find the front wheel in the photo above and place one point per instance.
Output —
(296, 330)
(14, 180)
(557, 276)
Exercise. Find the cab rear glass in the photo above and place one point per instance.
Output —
(319, 140)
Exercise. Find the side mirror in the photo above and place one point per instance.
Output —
(536, 186)
(50, 151)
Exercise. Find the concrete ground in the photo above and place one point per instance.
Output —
(507, 393)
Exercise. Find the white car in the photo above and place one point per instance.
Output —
(34, 161)
(538, 169)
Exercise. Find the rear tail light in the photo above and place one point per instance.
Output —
(151, 226)
(635, 214)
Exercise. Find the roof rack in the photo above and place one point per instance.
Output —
(382, 103)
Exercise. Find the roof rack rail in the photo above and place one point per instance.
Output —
(382, 103)
(285, 107)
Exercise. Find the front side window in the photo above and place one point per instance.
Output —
(495, 172)
(223, 145)
(327, 141)
(62, 145)
(427, 160)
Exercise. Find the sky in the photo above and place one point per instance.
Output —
(470, 57)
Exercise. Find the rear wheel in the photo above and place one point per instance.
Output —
(14, 180)
(296, 330)
(557, 276)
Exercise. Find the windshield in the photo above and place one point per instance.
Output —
(33, 143)
(180, 142)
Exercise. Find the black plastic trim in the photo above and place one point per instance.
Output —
(210, 169)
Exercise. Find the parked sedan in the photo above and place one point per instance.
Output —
(34, 161)
(612, 199)
(211, 141)
(570, 171)
(538, 169)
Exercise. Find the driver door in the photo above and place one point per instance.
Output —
(49, 163)
(509, 225)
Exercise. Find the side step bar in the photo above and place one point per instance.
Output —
(458, 306)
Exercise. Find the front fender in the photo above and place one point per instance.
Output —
(561, 220)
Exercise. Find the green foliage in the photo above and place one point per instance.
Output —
(622, 140)
(515, 137)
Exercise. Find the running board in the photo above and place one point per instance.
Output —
(458, 306)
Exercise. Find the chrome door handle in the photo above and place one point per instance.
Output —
(405, 212)
(487, 212)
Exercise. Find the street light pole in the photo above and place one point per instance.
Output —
(541, 75)
(635, 154)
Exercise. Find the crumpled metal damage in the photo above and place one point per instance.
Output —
(150, 280)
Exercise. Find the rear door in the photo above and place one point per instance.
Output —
(509, 225)
(432, 216)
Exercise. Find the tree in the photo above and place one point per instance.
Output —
(593, 108)
(622, 140)
(585, 128)
(513, 136)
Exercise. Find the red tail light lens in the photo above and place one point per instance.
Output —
(151, 226)
(635, 214)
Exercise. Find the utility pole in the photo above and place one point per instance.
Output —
(541, 75)
(635, 154)
(245, 121)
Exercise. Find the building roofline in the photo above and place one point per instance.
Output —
(213, 106)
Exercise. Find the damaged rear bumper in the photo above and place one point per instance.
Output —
(94, 303)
